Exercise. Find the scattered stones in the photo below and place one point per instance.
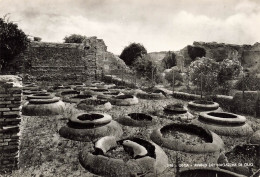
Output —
(187, 138)
(90, 126)
(137, 157)
(224, 123)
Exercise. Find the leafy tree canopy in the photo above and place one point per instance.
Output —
(195, 52)
(169, 60)
(12, 41)
(74, 38)
(132, 52)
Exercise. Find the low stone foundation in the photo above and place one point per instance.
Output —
(10, 101)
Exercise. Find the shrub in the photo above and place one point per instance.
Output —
(250, 83)
(74, 38)
(37, 39)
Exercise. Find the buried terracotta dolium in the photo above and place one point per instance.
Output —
(136, 120)
(212, 142)
(94, 105)
(124, 100)
(177, 112)
(224, 123)
(202, 105)
(90, 126)
(147, 158)
(43, 105)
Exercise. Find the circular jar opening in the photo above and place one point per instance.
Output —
(90, 117)
(69, 92)
(99, 90)
(222, 115)
(42, 94)
(82, 96)
(140, 117)
(189, 134)
(203, 102)
(124, 96)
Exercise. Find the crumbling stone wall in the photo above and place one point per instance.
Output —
(10, 100)
(66, 62)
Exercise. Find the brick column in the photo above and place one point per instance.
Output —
(10, 101)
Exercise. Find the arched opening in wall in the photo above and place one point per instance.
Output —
(195, 52)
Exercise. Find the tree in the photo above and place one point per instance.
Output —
(74, 38)
(12, 42)
(178, 78)
(229, 68)
(169, 60)
(145, 67)
(204, 72)
(195, 52)
(132, 52)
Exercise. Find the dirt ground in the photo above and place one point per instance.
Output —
(44, 153)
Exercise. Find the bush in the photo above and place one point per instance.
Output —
(37, 39)
(250, 83)
(74, 38)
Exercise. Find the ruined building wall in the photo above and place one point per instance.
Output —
(10, 101)
(67, 62)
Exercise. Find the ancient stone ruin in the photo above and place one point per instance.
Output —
(10, 117)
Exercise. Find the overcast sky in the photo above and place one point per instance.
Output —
(160, 25)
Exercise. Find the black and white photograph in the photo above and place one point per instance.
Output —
(129, 88)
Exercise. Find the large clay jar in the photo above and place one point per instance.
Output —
(224, 123)
(203, 105)
(136, 120)
(94, 105)
(151, 96)
(176, 112)
(138, 158)
(124, 100)
(177, 137)
(90, 126)
(43, 105)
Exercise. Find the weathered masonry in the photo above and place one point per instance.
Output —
(62, 61)
(10, 100)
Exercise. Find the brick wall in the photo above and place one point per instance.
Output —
(65, 62)
(10, 100)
